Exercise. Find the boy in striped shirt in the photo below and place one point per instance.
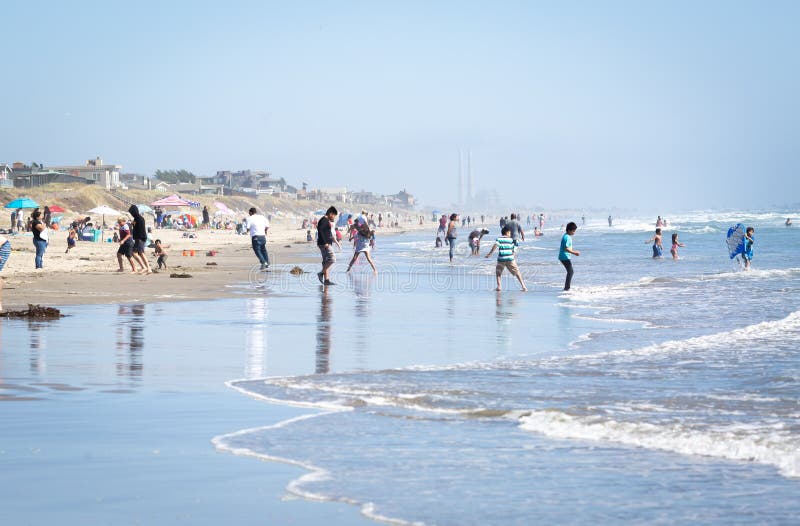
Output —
(505, 257)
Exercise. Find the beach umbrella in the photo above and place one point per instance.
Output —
(173, 200)
(104, 211)
(23, 202)
(319, 213)
(56, 209)
(223, 208)
(143, 209)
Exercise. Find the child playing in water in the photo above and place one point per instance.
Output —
(565, 252)
(748, 246)
(505, 257)
(675, 245)
(657, 246)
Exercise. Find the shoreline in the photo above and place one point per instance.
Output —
(88, 274)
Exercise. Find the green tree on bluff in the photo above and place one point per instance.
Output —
(175, 176)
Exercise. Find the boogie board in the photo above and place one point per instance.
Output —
(735, 240)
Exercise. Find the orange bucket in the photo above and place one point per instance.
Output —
(184, 252)
(191, 252)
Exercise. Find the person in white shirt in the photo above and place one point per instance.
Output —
(258, 225)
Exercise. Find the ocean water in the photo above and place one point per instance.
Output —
(656, 391)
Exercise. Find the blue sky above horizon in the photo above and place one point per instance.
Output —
(651, 105)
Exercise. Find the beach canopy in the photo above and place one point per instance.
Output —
(173, 200)
(23, 202)
(104, 211)
(56, 209)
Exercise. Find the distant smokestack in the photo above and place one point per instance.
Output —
(470, 195)
(460, 181)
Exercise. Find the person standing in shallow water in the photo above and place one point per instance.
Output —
(566, 251)
(452, 234)
(325, 242)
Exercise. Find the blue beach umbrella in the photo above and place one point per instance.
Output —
(144, 209)
(23, 202)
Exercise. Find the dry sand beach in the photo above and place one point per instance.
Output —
(88, 273)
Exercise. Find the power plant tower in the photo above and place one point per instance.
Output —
(470, 194)
(460, 182)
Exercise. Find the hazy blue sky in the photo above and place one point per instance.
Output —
(656, 105)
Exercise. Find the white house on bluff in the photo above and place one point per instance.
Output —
(105, 175)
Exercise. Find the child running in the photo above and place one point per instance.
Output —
(160, 253)
(505, 258)
(675, 245)
(566, 250)
(72, 235)
(656, 240)
(747, 256)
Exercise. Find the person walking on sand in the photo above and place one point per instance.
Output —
(452, 234)
(125, 244)
(325, 242)
(566, 251)
(657, 246)
(5, 253)
(363, 244)
(506, 246)
(139, 233)
(40, 237)
(206, 218)
(258, 226)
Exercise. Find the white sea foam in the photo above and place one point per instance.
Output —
(778, 330)
(773, 449)
(315, 474)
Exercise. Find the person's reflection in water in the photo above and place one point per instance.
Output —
(130, 341)
(38, 359)
(361, 285)
(323, 354)
(256, 339)
(505, 312)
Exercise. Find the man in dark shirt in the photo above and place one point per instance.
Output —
(139, 233)
(325, 242)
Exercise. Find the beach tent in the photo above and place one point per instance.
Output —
(173, 200)
(23, 202)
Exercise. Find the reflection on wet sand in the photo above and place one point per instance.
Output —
(130, 341)
(361, 285)
(505, 312)
(256, 338)
(324, 323)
